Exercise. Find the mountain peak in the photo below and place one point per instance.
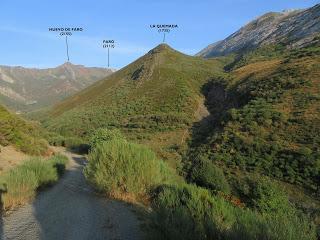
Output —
(163, 47)
(295, 28)
(68, 64)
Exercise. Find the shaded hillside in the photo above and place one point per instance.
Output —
(26, 89)
(269, 117)
(154, 100)
(291, 28)
(24, 136)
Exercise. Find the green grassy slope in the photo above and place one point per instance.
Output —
(25, 136)
(153, 100)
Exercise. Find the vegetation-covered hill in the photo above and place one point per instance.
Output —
(265, 120)
(154, 101)
(264, 123)
(25, 136)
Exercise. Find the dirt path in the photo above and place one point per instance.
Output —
(70, 210)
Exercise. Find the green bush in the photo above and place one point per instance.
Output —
(18, 187)
(251, 225)
(264, 195)
(43, 171)
(32, 146)
(267, 197)
(76, 144)
(25, 136)
(188, 212)
(21, 183)
(185, 213)
(102, 135)
(56, 140)
(59, 162)
(206, 174)
(118, 167)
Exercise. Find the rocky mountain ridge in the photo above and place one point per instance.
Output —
(294, 28)
(25, 89)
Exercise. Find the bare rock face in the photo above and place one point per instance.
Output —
(27, 89)
(295, 28)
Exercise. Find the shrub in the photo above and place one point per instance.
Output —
(43, 171)
(56, 140)
(21, 183)
(118, 167)
(32, 146)
(102, 135)
(76, 144)
(25, 136)
(264, 195)
(184, 213)
(267, 197)
(59, 162)
(18, 186)
(207, 174)
(189, 212)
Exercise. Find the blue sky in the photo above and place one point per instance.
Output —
(26, 41)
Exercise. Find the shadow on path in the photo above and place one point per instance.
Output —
(71, 210)
(1, 214)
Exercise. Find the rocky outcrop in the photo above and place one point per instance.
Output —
(294, 28)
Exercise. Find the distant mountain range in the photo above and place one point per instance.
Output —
(295, 28)
(27, 89)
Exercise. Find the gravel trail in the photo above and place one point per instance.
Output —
(70, 210)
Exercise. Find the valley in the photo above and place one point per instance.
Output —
(223, 144)
(153, 101)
